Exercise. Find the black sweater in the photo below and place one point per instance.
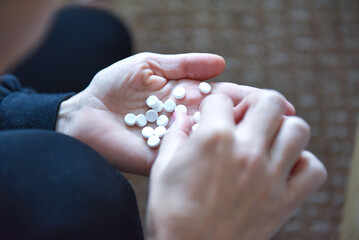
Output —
(22, 108)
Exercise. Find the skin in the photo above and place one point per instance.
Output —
(112, 94)
(247, 154)
(250, 177)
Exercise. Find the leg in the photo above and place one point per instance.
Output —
(55, 187)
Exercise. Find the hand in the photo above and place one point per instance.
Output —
(95, 115)
(228, 180)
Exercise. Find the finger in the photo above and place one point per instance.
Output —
(307, 175)
(239, 92)
(263, 118)
(216, 113)
(195, 66)
(292, 138)
(239, 95)
(216, 127)
(175, 136)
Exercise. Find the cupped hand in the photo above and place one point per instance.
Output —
(95, 115)
(230, 180)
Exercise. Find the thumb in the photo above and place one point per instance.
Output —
(175, 136)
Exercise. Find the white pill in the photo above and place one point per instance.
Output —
(152, 101)
(141, 120)
(169, 106)
(162, 120)
(197, 117)
(194, 127)
(130, 119)
(147, 132)
(204, 87)
(153, 141)
(159, 106)
(160, 131)
(151, 115)
(182, 108)
(179, 92)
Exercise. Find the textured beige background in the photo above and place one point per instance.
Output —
(306, 49)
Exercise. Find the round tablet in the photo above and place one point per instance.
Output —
(130, 119)
(169, 106)
(160, 131)
(153, 141)
(182, 108)
(194, 127)
(159, 106)
(152, 101)
(141, 120)
(204, 87)
(162, 120)
(197, 117)
(179, 92)
(147, 132)
(151, 115)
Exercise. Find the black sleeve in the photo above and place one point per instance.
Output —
(22, 108)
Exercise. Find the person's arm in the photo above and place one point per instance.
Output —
(22, 108)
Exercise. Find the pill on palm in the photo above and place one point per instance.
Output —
(197, 117)
(194, 127)
(130, 119)
(141, 120)
(153, 141)
(151, 115)
(182, 108)
(169, 106)
(204, 87)
(160, 131)
(152, 101)
(162, 120)
(159, 106)
(179, 92)
(147, 132)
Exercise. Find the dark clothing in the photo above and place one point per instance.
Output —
(22, 108)
(53, 186)
(81, 42)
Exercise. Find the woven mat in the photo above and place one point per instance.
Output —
(308, 50)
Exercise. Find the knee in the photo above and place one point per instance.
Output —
(60, 188)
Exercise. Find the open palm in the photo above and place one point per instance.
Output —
(124, 87)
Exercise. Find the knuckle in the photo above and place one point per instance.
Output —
(252, 154)
(322, 175)
(315, 170)
(275, 98)
(275, 93)
(319, 171)
(299, 125)
(220, 134)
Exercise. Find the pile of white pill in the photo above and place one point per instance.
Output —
(153, 115)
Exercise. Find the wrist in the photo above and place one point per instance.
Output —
(67, 114)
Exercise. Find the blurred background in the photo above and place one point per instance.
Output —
(307, 50)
